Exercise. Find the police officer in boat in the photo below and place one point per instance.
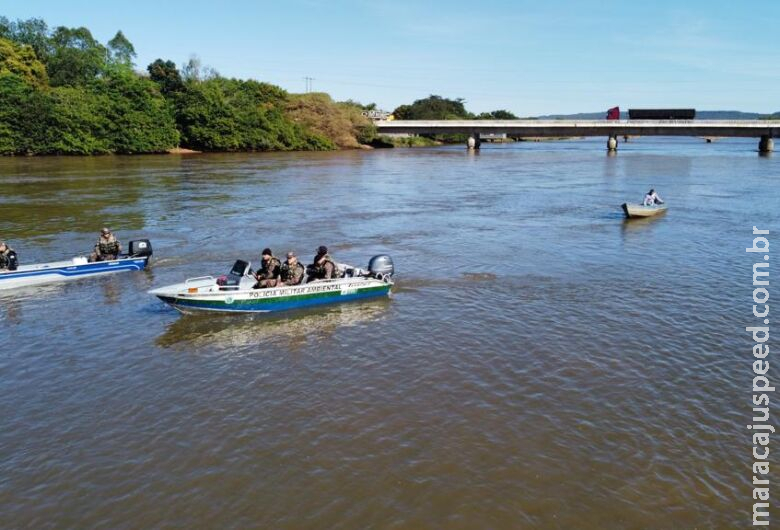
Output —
(269, 270)
(107, 247)
(323, 268)
(8, 258)
(290, 273)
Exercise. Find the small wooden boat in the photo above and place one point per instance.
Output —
(638, 210)
(235, 293)
(76, 268)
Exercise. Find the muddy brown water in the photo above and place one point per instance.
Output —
(542, 363)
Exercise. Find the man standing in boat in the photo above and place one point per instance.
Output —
(269, 270)
(323, 267)
(107, 247)
(652, 198)
(8, 259)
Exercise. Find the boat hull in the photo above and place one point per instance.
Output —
(638, 210)
(273, 299)
(77, 269)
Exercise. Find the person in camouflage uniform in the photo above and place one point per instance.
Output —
(8, 260)
(291, 272)
(107, 247)
(269, 270)
(323, 267)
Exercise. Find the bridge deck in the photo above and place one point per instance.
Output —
(560, 128)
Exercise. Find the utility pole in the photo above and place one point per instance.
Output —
(308, 83)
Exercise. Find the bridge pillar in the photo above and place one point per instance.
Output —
(766, 144)
(473, 142)
(612, 143)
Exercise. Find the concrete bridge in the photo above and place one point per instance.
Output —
(765, 130)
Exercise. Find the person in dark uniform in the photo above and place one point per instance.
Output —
(269, 270)
(8, 259)
(323, 267)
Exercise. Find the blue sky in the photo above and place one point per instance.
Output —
(560, 57)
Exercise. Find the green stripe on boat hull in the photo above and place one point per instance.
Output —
(265, 305)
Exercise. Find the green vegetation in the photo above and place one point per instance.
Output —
(433, 108)
(20, 61)
(342, 123)
(497, 115)
(404, 141)
(221, 114)
(439, 108)
(63, 92)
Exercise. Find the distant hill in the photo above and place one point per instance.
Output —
(700, 114)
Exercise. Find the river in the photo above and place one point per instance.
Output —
(541, 364)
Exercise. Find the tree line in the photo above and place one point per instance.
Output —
(64, 92)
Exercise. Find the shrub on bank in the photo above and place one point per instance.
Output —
(221, 114)
(342, 123)
(119, 113)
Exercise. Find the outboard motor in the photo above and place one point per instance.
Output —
(140, 248)
(13, 261)
(381, 265)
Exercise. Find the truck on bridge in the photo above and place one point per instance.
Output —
(653, 114)
(661, 114)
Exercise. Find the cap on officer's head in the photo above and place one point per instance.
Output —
(267, 252)
(322, 250)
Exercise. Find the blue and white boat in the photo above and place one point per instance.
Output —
(234, 293)
(77, 268)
